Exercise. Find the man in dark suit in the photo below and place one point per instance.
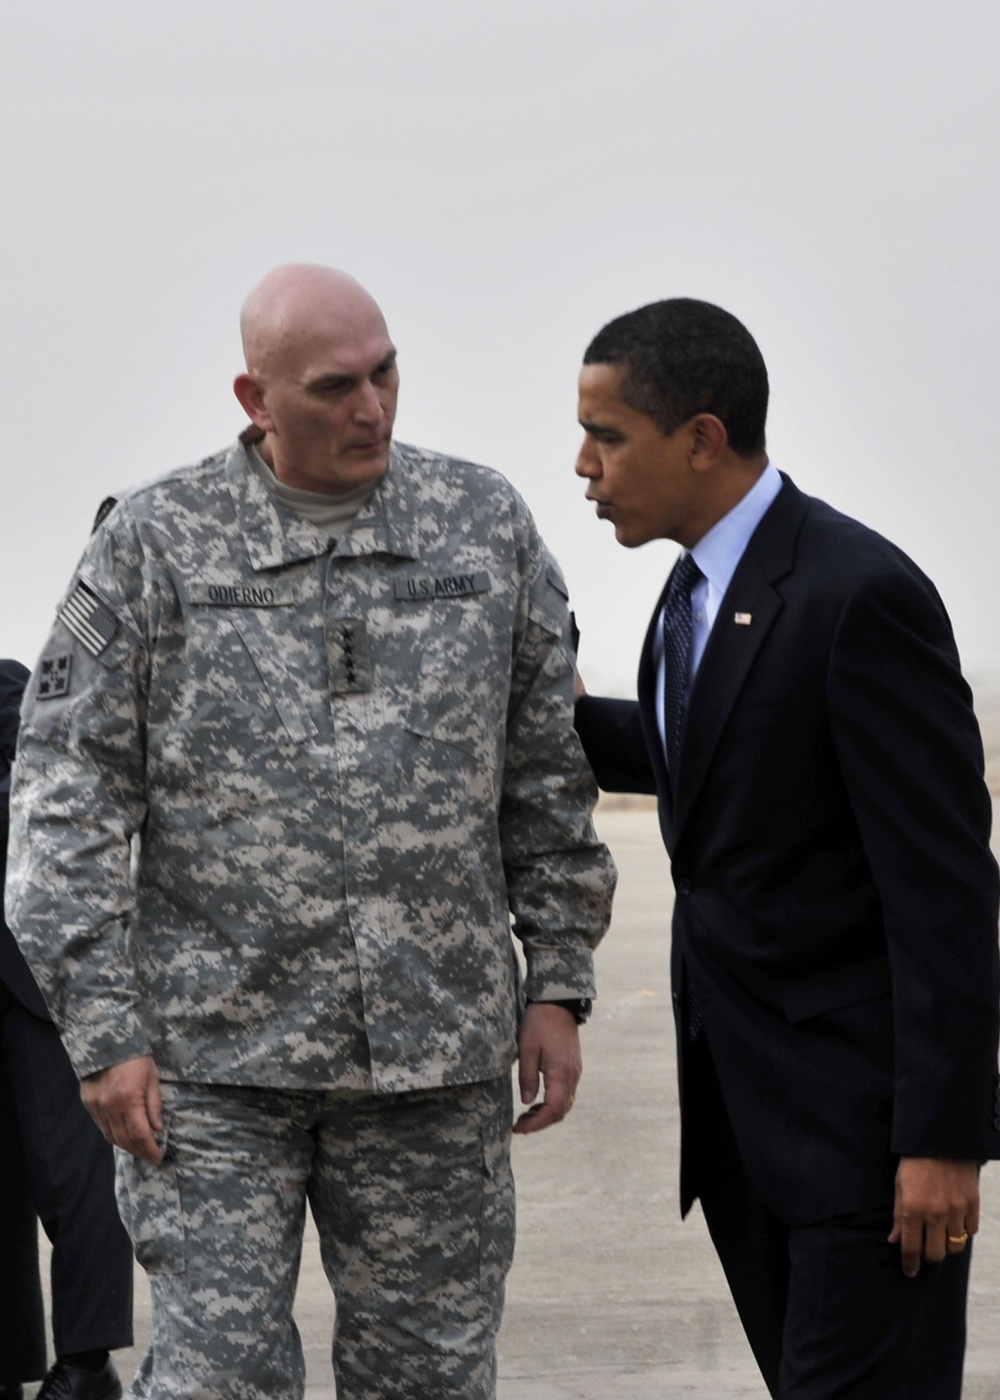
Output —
(804, 723)
(22, 1331)
(53, 1161)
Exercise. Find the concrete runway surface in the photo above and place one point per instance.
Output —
(612, 1297)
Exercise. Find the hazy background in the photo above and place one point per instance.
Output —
(505, 178)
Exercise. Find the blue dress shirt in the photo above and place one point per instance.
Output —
(717, 554)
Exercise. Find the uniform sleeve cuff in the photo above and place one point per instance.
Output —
(560, 974)
(92, 1048)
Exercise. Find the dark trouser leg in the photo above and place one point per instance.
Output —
(858, 1329)
(752, 1244)
(22, 1318)
(826, 1307)
(72, 1176)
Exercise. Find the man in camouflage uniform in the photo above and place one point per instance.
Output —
(298, 747)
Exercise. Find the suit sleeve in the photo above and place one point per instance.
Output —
(912, 758)
(613, 741)
(13, 678)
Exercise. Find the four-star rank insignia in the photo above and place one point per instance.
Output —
(53, 677)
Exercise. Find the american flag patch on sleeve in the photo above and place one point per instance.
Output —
(91, 623)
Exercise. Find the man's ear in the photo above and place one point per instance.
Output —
(250, 392)
(709, 440)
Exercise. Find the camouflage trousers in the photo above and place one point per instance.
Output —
(413, 1199)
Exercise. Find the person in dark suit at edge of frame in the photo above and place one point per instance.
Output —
(53, 1161)
(804, 723)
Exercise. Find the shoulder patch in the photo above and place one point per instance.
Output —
(53, 676)
(92, 624)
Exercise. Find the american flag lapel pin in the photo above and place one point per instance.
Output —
(743, 619)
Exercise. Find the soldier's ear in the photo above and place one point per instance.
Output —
(250, 392)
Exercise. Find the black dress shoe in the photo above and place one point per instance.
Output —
(66, 1382)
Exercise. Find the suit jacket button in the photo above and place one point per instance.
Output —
(683, 886)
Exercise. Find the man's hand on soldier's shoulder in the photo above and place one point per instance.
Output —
(548, 1051)
(124, 1101)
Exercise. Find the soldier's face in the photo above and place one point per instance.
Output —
(329, 402)
(640, 478)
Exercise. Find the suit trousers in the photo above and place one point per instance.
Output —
(22, 1316)
(826, 1307)
(413, 1199)
(70, 1168)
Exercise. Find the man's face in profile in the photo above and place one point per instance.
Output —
(639, 477)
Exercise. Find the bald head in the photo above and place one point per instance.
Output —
(320, 377)
(297, 302)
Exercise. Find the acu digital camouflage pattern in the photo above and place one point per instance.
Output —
(414, 1202)
(347, 767)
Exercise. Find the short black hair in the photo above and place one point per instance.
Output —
(681, 357)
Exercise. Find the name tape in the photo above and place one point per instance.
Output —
(242, 595)
(415, 590)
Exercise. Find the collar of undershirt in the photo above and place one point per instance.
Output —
(332, 514)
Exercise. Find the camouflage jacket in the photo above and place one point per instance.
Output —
(277, 802)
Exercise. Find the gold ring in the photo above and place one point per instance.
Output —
(963, 1238)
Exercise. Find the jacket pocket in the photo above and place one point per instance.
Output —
(234, 698)
(463, 684)
(277, 678)
(149, 1203)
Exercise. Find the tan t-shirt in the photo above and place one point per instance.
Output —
(332, 514)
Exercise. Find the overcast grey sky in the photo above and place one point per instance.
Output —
(505, 178)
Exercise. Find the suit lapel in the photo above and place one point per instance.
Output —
(733, 646)
(647, 703)
(729, 655)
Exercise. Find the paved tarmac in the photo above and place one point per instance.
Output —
(612, 1297)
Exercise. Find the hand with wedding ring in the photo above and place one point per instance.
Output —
(936, 1210)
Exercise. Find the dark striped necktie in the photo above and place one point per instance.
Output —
(677, 654)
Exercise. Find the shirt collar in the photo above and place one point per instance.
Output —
(275, 534)
(718, 553)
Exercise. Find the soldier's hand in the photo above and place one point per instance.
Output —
(549, 1053)
(936, 1211)
(124, 1101)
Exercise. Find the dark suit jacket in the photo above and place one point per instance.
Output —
(14, 971)
(836, 899)
(57, 1160)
